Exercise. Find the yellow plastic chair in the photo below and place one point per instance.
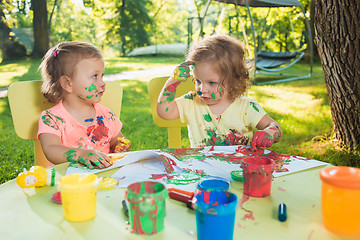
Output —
(27, 102)
(174, 126)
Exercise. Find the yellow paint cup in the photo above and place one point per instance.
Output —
(78, 196)
(340, 197)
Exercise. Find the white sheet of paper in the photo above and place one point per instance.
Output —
(148, 165)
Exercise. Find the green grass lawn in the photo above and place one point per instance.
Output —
(301, 107)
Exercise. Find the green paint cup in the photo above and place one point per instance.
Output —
(146, 207)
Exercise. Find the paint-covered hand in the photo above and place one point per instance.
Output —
(122, 145)
(262, 139)
(182, 72)
(266, 138)
(90, 158)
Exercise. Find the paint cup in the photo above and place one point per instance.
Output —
(215, 215)
(146, 207)
(213, 185)
(78, 196)
(257, 174)
(340, 198)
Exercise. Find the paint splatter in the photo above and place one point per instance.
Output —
(89, 120)
(97, 131)
(146, 207)
(190, 96)
(213, 95)
(91, 88)
(51, 120)
(207, 117)
(254, 106)
(170, 91)
(232, 138)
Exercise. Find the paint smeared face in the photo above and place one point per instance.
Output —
(207, 83)
(87, 81)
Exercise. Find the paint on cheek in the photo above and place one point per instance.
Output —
(213, 95)
(91, 88)
(221, 92)
(199, 92)
(81, 97)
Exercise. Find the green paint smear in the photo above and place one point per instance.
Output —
(146, 207)
(213, 95)
(70, 155)
(92, 87)
(184, 178)
(207, 117)
(254, 106)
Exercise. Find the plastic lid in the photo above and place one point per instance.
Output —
(341, 177)
(237, 175)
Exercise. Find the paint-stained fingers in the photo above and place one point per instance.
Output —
(104, 159)
(261, 139)
(187, 64)
(267, 142)
(254, 142)
(182, 72)
(85, 162)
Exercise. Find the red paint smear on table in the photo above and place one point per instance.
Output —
(249, 213)
(311, 233)
(281, 189)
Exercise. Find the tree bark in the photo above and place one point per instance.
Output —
(40, 24)
(337, 36)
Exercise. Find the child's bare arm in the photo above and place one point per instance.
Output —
(269, 132)
(56, 153)
(166, 107)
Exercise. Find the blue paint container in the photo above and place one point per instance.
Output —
(215, 215)
(213, 185)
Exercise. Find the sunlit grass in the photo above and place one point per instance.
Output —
(22, 70)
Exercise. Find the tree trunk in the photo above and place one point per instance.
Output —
(337, 36)
(312, 24)
(41, 34)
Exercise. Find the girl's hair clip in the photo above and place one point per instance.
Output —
(55, 53)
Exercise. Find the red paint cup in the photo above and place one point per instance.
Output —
(257, 174)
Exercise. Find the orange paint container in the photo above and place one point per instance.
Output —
(340, 198)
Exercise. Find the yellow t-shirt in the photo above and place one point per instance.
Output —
(233, 127)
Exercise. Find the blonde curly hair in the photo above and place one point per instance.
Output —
(228, 57)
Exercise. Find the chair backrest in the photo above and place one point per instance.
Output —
(27, 102)
(174, 126)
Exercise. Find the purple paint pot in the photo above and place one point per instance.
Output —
(215, 215)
